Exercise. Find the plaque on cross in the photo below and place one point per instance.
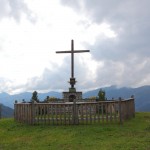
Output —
(72, 79)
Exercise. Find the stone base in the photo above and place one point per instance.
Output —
(72, 90)
(70, 96)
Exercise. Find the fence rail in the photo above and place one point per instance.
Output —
(74, 113)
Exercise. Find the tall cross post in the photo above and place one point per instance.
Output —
(72, 51)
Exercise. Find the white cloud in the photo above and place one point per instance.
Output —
(31, 32)
(125, 55)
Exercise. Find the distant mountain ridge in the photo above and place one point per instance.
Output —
(8, 100)
(6, 112)
(141, 94)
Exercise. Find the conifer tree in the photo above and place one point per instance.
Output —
(35, 96)
(101, 95)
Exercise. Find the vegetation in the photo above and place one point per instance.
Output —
(35, 96)
(132, 135)
(92, 98)
(50, 99)
(101, 95)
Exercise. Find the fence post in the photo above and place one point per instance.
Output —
(32, 113)
(0, 111)
(75, 113)
(133, 105)
(15, 111)
(120, 111)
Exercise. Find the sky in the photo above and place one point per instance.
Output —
(116, 32)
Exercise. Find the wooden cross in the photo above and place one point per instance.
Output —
(72, 79)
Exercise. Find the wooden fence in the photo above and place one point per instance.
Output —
(74, 113)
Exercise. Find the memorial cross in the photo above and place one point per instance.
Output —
(72, 79)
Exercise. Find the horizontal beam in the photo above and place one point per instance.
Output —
(75, 51)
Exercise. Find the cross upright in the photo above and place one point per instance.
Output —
(72, 79)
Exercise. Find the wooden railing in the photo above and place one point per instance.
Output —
(74, 113)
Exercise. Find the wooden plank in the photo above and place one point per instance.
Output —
(21, 114)
(106, 105)
(102, 110)
(48, 116)
(82, 115)
(26, 113)
(65, 114)
(56, 116)
(98, 112)
(69, 114)
(94, 113)
(17, 113)
(115, 112)
(38, 113)
(111, 105)
(120, 111)
(86, 111)
(53, 113)
(44, 114)
(90, 113)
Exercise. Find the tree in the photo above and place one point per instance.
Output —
(46, 99)
(101, 95)
(35, 96)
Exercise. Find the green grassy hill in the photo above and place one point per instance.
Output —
(132, 135)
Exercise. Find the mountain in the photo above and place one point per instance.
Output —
(141, 94)
(8, 100)
(6, 112)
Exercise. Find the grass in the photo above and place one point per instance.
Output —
(132, 135)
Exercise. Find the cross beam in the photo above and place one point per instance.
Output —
(72, 79)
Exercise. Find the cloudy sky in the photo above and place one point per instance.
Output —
(117, 32)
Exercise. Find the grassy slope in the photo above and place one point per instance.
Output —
(132, 135)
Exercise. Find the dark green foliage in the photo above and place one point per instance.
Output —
(101, 95)
(50, 99)
(35, 96)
